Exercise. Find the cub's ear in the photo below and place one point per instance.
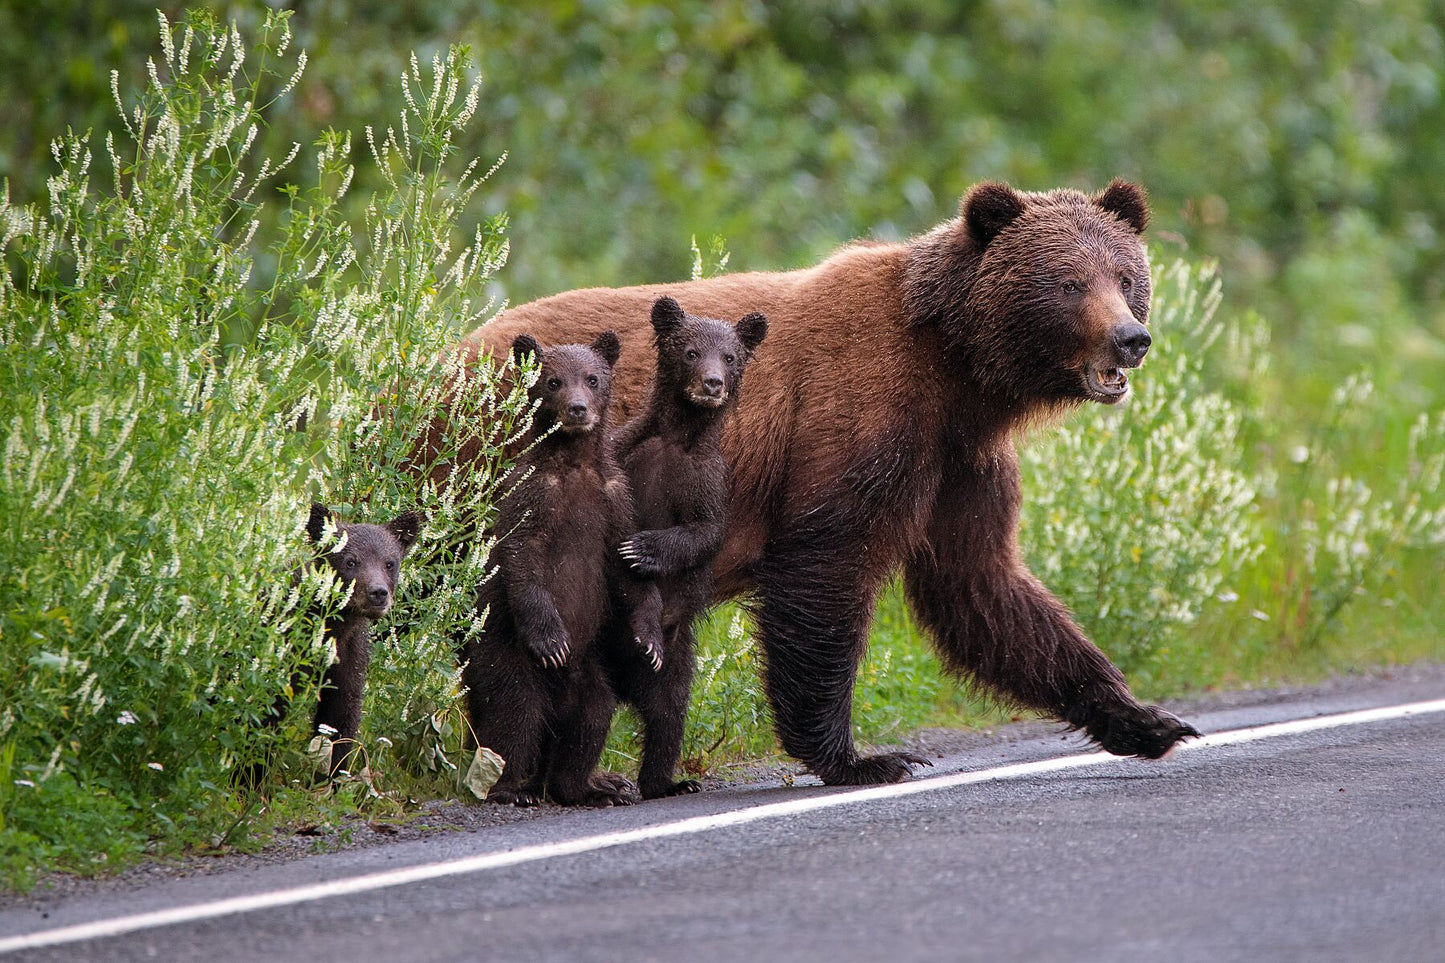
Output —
(525, 347)
(990, 207)
(667, 315)
(406, 527)
(607, 347)
(316, 523)
(752, 329)
(1127, 202)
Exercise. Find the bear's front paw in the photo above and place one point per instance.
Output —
(642, 554)
(885, 767)
(651, 649)
(551, 650)
(1134, 730)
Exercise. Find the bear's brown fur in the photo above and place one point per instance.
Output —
(877, 433)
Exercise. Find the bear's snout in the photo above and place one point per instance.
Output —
(378, 597)
(1132, 341)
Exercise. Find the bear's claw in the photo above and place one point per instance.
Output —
(1147, 732)
(885, 767)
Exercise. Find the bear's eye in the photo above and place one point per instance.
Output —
(390, 565)
(591, 381)
(691, 355)
(1125, 284)
(728, 358)
(1071, 287)
(554, 383)
(350, 564)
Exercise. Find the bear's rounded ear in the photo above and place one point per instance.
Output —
(406, 527)
(525, 347)
(316, 523)
(608, 347)
(1127, 202)
(752, 329)
(667, 314)
(989, 208)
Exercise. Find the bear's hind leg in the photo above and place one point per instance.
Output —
(584, 717)
(507, 705)
(661, 701)
(813, 620)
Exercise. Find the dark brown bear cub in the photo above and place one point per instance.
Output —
(368, 559)
(672, 455)
(536, 692)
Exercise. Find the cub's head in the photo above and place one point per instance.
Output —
(701, 360)
(368, 559)
(1060, 295)
(575, 383)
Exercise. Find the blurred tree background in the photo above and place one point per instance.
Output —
(1300, 145)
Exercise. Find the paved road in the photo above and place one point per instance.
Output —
(1322, 846)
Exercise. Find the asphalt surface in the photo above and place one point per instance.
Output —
(1319, 846)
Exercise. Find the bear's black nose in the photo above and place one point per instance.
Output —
(577, 410)
(378, 596)
(712, 386)
(1132, 339)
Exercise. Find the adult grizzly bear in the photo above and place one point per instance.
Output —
(877, 432)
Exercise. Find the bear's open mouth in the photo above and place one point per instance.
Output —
(707, 401)
(1106, 384)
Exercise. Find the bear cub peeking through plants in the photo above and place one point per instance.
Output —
(536, 693)
(367, 559)
(672, 454)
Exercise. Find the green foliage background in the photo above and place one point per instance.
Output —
(1299, 144)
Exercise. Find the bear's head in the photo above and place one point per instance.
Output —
(367, 559)
(701, 360)
(1046, 294)
(574, 384)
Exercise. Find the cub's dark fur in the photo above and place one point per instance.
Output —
(368, 560)
(535, 689)
(671, 452)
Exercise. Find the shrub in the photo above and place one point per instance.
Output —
(184, 365)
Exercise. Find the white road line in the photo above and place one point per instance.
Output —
(682, 827)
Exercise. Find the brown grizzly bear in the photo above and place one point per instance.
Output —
(671, 451)
(536, 692)
(877, 433)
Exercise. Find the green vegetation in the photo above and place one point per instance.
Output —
(193, 342)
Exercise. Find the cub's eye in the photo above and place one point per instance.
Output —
(1125, 284)
(554, 383)
(591, 381)
(390, 565)
(350, 563)
(728, 358)
(691, 354)
(1071, 287)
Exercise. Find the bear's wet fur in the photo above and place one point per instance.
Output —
(536, 692)
(671, 452)
(877, 435)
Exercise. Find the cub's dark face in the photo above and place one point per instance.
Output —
(1063, 288)
(368, 559)
(575, 383)
(702, 359)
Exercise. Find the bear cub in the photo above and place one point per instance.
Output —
(536, 691)
(671, 453)
(366, 559)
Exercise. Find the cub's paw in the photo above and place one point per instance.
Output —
(651, 650)
(551, 650)
(885, 767)
(513, 797)
(1134, 730)
(642, 553)
(682, 787)
(609, 789)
